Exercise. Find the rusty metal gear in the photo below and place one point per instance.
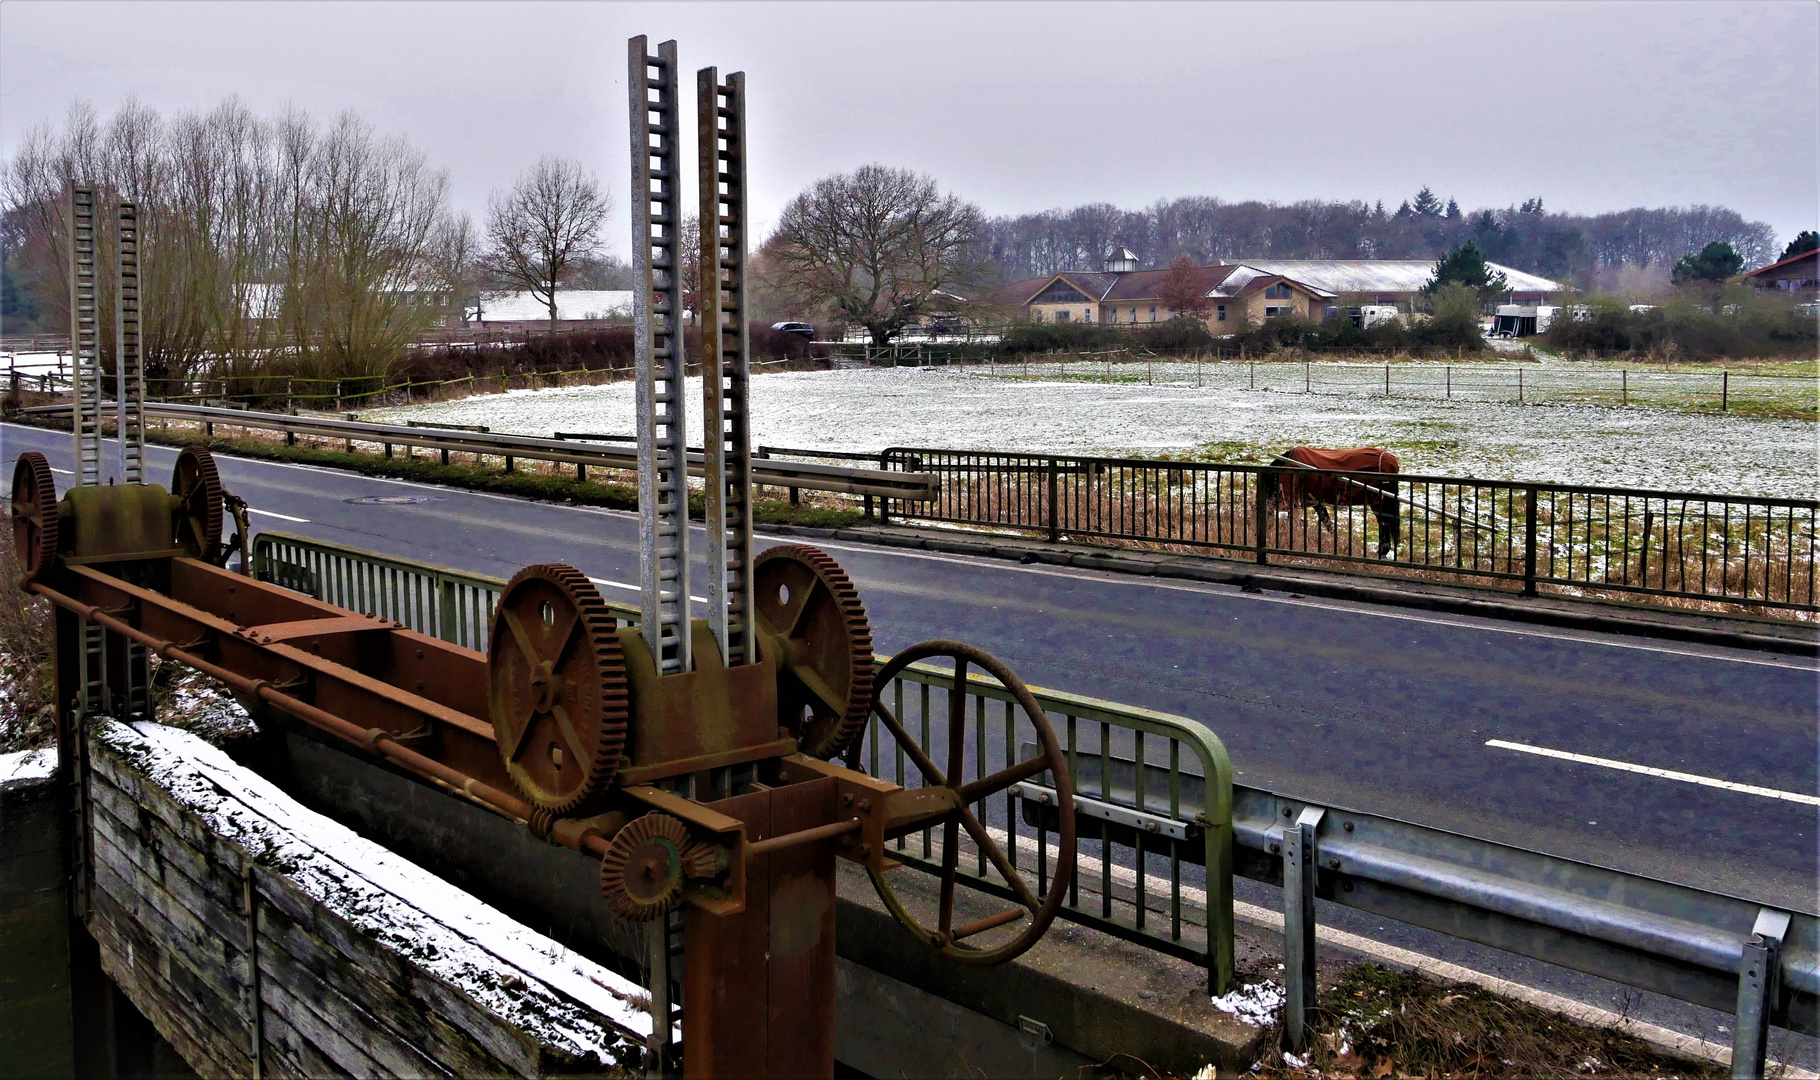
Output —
(196, 487)
(557, 688)
(810, 613)
(641, 875)
(35, 534)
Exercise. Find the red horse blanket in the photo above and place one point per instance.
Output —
(1336, 490)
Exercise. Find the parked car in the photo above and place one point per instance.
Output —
(800, 329)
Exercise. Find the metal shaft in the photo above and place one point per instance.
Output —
(85, 332)
(663, 483)
(721, 302)
(129, 385)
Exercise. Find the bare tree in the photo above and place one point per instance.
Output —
(1183, 290)
(549, 219)
(879, 247)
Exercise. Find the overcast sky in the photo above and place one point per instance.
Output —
(1021, 106)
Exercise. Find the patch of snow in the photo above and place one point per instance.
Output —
(1293, 1061)
(1254, 1004)
(1475, 433)
(27, 767)
(517, 973)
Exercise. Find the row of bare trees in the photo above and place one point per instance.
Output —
(329, 246)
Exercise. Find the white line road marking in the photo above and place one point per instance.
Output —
(635, 588)
(276, 514)
(1664, 774)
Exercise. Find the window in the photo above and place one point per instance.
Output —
(1278, 292)
(1153, 313)
(1061, 316)
(1087, 316)
(1220, 315)
(1273, 312)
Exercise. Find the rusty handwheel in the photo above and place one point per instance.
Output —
(557, 687)
(34, 517)
(642, 873)
(953, 812)
(196, 489)
(810, 612)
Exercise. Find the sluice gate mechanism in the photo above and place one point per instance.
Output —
(693, 756)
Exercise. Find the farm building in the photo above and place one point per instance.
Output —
(1397, 281)
(1797, 273)
(1236, 293)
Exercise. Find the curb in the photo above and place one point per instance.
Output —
(1744, 633)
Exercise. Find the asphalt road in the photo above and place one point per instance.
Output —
(1379, 709)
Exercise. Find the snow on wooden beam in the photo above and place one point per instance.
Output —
(351, 960)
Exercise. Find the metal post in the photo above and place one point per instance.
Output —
(1725, 391)
(1254, 374)
(657, 962)
(1529, 540)
(663, 481)
(129, 383)
(1519, 386)
(1307, 378)
(1386, 380)
(1450, 380)
(1301, 866)
(1759, 979)
(1258, 509)
(1626, 374)
(720, 148)
(1055, 527)
(85, 361)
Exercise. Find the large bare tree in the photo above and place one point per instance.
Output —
(550, 219)
(878, 247)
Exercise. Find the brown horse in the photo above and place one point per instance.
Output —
(1293, 487)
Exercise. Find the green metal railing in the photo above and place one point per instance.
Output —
(1129, 879)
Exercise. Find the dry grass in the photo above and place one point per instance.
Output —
(27, 683)
(1377, 1024)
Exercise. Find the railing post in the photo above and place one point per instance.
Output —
(1258, 509)
(1301, 866)
(446, 624)
(1055, 527)
(1529, 540)
(1758, 986)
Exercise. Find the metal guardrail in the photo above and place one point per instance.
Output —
(1733, 548)
(1147, 835)
(895, 485)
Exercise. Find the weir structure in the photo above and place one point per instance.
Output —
(693, 756)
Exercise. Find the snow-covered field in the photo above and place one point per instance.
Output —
(867, 410)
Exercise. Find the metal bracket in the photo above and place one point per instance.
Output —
(1759, 983)
(1034, 1033)
(1301, 865)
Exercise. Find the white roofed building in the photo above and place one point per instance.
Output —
(1397, 281)
(573, 306)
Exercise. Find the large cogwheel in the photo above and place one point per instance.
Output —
(642, 873)
(196, 487)
(806, 603)
(557, 688)
(35, 535)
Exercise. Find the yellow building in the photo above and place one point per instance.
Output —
(1124, 295)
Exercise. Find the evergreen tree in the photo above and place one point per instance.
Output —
(1465, 265)
(1403, 211)
(1715, 262)
(1378, 214)
(1803, 243)
(1453, 210)
(1531, 206)
(1426, 204)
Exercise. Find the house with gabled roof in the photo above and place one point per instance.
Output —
(1124, 295)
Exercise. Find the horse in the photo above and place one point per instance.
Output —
(1292, 488)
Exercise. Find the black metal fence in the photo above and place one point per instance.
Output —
(1759, 552)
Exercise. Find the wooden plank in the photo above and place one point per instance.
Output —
(284, 945)
(289, 1054)
(217, 961)
(338, 1047)
(221, 878)
(133, 960)
(201, 911)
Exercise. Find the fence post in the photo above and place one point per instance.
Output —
(1258, 510)
(446, 609)
(1254, 374)
(1450, 381)
(1519, 386)
(1529, 540)
(1055, 528)
(1386, 380)
(1725, 391)
(1626, 374)
(1307, 377)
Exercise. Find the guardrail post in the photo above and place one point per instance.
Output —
(509, 463)
(1055, 526)
(1529, 540)
(1758, 985)
(1301, 865)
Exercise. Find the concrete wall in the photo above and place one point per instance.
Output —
(35, 1010)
